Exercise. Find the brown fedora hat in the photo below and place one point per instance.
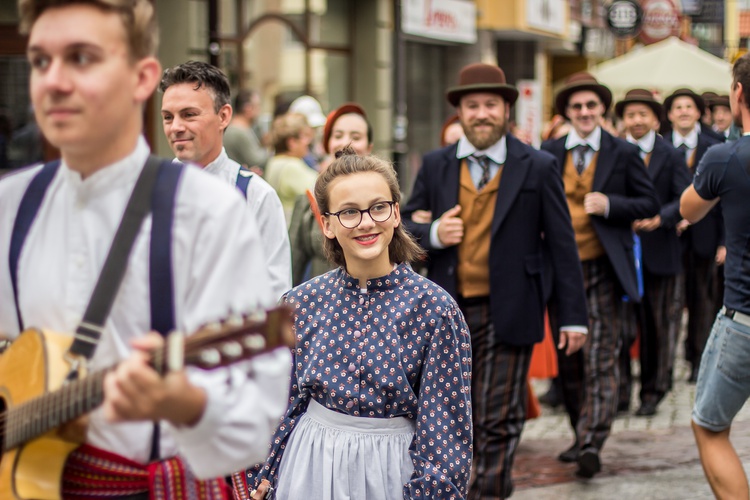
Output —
(576, 82)
(719, 100)
(698, 100)
(642, 96)
(480, 77)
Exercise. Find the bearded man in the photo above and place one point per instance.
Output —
(503, 244)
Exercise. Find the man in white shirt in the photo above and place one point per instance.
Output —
(92, 70)
(195, 112)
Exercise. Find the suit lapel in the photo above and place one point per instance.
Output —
(451, 178)
(513, 174)
(658, 157)
(605, 162)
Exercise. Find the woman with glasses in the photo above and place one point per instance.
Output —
(380, 395)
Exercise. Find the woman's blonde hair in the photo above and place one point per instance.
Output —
(403, 247)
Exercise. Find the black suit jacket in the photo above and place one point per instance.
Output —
(621, 175)
(703, 237)
(530, 214)
(662, 249)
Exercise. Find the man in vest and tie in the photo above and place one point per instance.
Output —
(607, 189)
(502, 244)
(703, 242)
(661, 305)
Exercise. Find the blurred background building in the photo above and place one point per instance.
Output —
(395, 57)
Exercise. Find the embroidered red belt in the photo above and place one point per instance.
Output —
(93, 473)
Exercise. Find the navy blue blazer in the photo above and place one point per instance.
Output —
(531, 216)
(621, 175)
(703, 237)
(662, 249)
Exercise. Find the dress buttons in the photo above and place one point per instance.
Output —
(357, 334)
(352, 367)
(350, 405)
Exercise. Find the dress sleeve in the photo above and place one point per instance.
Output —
(442, 446)
(297, 407)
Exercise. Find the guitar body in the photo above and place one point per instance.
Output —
(33, 365)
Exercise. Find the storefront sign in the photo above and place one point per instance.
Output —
(547, 15)
(449, 20)
(624, 18)
(661, 19)
(529, 111)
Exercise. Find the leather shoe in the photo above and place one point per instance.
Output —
(551, 398)
(570, 455)
(646, 410)
(588, 462)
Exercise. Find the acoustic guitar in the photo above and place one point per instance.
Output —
(36, 399)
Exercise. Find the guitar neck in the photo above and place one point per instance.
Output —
(33, 418)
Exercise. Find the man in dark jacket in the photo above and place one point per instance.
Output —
(502, 215)
(607, 189)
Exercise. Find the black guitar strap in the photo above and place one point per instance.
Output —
(90, 328)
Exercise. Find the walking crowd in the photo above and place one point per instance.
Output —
(414, 321)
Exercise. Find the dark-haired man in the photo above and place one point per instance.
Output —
(195, 112)
(607, 189)
(503, 218)
(240, 140)
(723, 382)
(93, 67)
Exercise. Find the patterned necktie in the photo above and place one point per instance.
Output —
(581, 150)
(483, 162)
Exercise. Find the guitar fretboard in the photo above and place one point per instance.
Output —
(42, 414)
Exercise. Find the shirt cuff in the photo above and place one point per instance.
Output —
(606, 209)
(434, 240)
(576, 328)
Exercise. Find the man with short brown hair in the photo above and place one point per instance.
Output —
(92, 70)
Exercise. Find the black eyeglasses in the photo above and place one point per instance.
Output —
(579, 106)
(352, 217)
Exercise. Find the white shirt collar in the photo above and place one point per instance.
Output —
(123, 172)
(646, 143)
(690, 140)
(594, 139)
(497, 152)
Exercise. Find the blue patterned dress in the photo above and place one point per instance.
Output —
(401, 348)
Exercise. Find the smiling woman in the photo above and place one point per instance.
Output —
(380, 396)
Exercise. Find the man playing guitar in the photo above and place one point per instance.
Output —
(93, 68)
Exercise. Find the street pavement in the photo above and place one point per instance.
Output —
(644, 458)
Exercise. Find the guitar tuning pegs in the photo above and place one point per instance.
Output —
(258, 316)
(214, 326)
(232, 349)
(210, 358)
(235, 320)
(255, 342)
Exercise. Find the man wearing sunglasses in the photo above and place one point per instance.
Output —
(502, 206)
(607, 188)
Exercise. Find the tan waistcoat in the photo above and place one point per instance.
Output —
(477, 212)
(576, 187)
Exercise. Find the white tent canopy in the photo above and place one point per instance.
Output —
(665, 67)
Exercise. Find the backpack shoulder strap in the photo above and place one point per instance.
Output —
(161, 282)
(243, 180)
(27, 210)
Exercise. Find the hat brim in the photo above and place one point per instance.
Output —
(698, 100)
(561, 101)
(719, 101)
(657, 108)
(507, 92)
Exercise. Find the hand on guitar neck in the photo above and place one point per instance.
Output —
(135, 391)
